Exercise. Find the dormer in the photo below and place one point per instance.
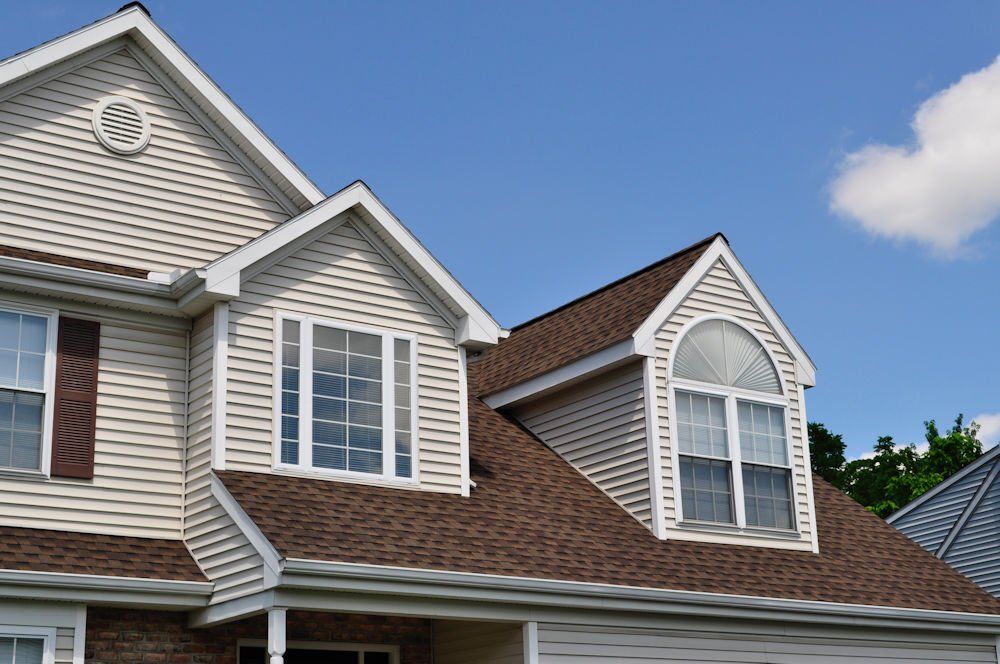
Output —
(679, 392)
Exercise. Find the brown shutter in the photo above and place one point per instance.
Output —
(75, 398)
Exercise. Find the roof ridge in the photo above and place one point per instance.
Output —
(601, 289)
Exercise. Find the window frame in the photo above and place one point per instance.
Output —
(388, 424)
(47, 390)
(46, 634)
(732, 396)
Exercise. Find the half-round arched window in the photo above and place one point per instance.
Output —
(728, 422)
(721, 352)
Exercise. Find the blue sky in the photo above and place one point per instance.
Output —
(543, 149)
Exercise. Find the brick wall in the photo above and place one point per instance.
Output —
(162, 637)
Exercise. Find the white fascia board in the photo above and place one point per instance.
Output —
(564, 376)
(135, 23)
(477, 327)
(986, 457)
(645, 336)
(313, 575)
(104, 589)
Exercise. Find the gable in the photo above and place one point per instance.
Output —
(343, 276)
(181, 202)
(720, 292)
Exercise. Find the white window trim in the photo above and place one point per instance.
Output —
(46, 634)
(362, 648)
(731, 396)
(48, 387)
(388, 474)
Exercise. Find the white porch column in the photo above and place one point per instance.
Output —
(529, 633)
(276, 635)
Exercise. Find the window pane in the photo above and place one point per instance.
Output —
(706, 490)
(364, 413)
(290, 354)
(767, 495)
(330, 433)
(332, 410)
(21, 650)
(290, 330)
(762, 433)
(34, 330)
(8, 368)
(31, 371)
(365, 438)
(330, 361)
(360, 389)
(6, 648)
(701, 425)
(325, 456)
(9, 330)
(364, 461)
(329, 337)
(363, 366)
(330, 386)
(365, 344)
(21, 429)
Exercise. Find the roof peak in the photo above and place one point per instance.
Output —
(700, 243)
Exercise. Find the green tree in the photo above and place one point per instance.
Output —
(826, 452)
(893, 475)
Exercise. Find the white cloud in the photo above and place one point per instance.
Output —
(990, 431)
(944, 187)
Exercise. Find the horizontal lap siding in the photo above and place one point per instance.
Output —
(483, 643)
(929, 523)
(599, 427)
(341, 277)
(221, 550)
(181, 202)
(720, 293)
(138, 457)
(64, 645)
(559, 644)
(976, 550)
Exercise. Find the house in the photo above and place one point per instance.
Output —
(243, 421)
(959, 521)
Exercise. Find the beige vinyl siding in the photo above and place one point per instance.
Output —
(342, 277)
(138, 456)
(564, 644)
(181, 202)
(599, 426)
(64, 644)
(719, 293)
(457, 642)
(222, 551)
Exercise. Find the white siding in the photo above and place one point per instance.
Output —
(138, 458)
(181, 202)
(599, 426)
(340, 276)
(64, 644)
(720, 293)
(457, 642)
(563, 644)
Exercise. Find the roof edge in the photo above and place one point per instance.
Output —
(983, 458)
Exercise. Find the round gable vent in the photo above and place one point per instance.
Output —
(121, 125)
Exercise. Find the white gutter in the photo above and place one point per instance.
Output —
(104, 589)
(345, 577)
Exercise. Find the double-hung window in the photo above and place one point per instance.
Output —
(733, 459)
(27, 645)
(26, 357)
(347, 399)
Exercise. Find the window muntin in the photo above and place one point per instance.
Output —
(24, 357)
(347, 398)
(746, 465)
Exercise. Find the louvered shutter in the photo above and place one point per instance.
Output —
(74, 422)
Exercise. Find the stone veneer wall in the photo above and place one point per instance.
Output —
(117, 636)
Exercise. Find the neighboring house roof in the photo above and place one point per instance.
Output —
(132, 21)
(59, 552)
(68, 261)
(532, 515)
(586, 325)
(959, 520)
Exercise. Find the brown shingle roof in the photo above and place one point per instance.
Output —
(586, 325)
(36, 550)
(69, 261)
(532, 515)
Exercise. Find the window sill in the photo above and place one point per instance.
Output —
(347, 476)
(30, 475)
(733, 529)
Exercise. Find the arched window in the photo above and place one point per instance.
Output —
(729, 414)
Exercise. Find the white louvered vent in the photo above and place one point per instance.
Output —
(121, 125)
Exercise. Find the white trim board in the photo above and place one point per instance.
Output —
(135, 23)
(223, 275)
(719, 250)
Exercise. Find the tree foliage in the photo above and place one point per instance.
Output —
(893, 475)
